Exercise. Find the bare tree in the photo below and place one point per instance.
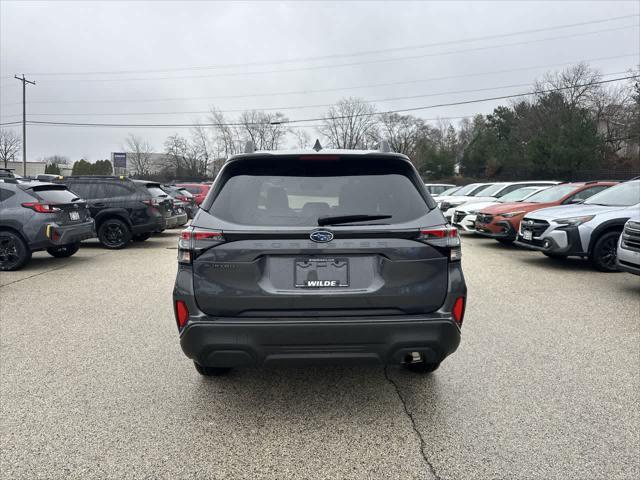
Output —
(302, 138)
(139, 152)
(575, 84)
(226, 136)
(265, 130)
(176, 149)
(402, 132)
(10, 143)
(350, 123)
(203, 149)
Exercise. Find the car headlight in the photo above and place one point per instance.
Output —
(574, 221)
(512, 214)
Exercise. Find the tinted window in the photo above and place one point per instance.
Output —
(87, 190)
(5, 194)
(281, 195)
(552, 194)
(56, 195)
(623, 195)
(117, 190)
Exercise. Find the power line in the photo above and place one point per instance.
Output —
(316, 119)
(339, 55)
(295, 107)
(339, 65)
(325, 90)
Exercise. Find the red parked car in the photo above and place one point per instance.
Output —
(502, 221)
(198, 190)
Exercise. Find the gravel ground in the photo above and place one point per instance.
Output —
(93, 384)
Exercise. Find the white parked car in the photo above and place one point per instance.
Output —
(493, 192)
(464, 216)
(628, 258)
(436, 189)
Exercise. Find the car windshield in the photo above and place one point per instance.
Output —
(468, 189)
(491, 190)
(552, 194)
(519, 194)
(285, 194)
(450, 191)
(479, 190)
(623, 195)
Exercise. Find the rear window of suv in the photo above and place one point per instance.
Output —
(55, 195)
(289, 193)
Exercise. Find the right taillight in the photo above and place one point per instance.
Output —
(446, 237)
(182, 313)
(458, 310)
(194, 240)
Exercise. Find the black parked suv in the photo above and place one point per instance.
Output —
(298, 258)
(40, 216)
(123, 209)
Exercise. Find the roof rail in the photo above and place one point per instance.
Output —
(384, 146)
(249, 147)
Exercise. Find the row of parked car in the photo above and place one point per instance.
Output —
(598, 220)
(56, 213)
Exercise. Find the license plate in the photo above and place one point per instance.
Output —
(74, 215)
(321, 273)
(527, 234)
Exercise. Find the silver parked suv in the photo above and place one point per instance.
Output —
(590, 229)
(334, 256)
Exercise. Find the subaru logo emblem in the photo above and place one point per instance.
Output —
(321, 236)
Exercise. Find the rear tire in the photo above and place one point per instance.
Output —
(114, 234)
(211, 371)
(64, 251)
(14, 252)
(421, 367)
(605, 251)
(142, 237)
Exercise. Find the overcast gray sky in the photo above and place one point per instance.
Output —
(73, 50)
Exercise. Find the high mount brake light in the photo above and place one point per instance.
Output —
(443, 237)
(194, 240)
(41, 207)
(319, 157)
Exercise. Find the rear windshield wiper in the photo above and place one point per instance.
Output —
(335, 220)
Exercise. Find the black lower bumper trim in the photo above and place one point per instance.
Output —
(220, 343)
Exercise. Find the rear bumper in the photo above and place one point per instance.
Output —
(251, 343)
(174, 221)
(54, 235)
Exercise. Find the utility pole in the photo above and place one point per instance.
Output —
(24, 121)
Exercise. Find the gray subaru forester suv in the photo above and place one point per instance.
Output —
(331, 256)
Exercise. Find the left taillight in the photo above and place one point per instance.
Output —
(445, 237)
(458, 310)
(194, 241)
(182, 313)
(41, 207)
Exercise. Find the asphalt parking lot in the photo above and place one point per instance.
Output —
(93, 384)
